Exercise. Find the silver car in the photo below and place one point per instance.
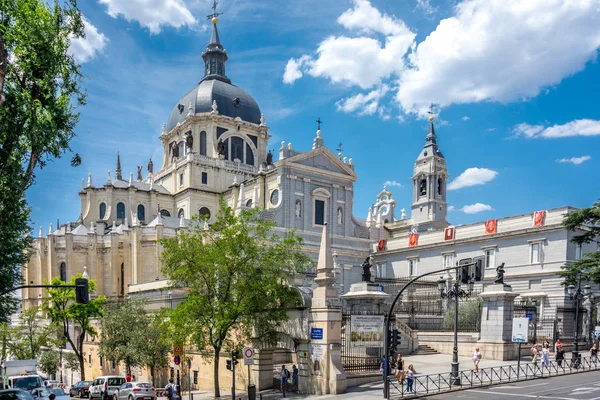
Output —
(135, 391)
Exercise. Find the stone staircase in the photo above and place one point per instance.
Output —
(423, 350)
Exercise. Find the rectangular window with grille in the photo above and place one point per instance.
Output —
(490, 258)
(205, 178)
(578, 251)
(319, 212)
(448, 260)
(195, 377)
(180, 179)
(412, 267)
(536, 253)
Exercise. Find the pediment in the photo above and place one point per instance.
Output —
(323, 160)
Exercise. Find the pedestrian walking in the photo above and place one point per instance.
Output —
(400, 368)
(295, 377)
(546, 343)
(285, 375)
(560, 355)
(594, 353)
(535, 353)
(546, 354)
(410, 378)
(171, 390)
(476, 359)
(557, 345)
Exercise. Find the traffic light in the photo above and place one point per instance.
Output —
(82, 295)
(229, 365)
(395, 340)
(464, 274)
(234, 356)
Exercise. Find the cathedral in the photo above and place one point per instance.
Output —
(214, 143)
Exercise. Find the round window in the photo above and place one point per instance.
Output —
(275, 197)
(204, 213)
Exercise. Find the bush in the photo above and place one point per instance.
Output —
(468, 315)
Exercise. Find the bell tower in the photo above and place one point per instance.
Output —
(429, 207)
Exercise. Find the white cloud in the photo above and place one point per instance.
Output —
(392, 184)
(500, 50)
(476, 208)
(152, 14)
(84, 49)
(466, 118)
(365, 104)
(472, 177)
(578, 127)
(426, 7)
(575, 160)
(451, 208)
(351, 60)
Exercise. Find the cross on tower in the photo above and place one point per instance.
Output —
(319, 122)
(431, 107)
(340, 149)
(215, 14)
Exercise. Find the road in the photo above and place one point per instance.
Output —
(584, 386)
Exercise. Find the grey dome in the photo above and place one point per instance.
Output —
(201, 97)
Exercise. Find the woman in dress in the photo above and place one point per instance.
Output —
(400, 368)
(546, 354)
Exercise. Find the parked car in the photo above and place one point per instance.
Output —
(135, 391)
(45, 394)
(80, 389)
(104, 387)
(50, 383)
(15, 394)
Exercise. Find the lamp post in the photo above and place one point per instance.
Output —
(449, 290)
(577, 294)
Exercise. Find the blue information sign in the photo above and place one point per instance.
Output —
(529, 316)
(316, 333)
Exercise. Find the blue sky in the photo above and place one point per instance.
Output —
(517, 86)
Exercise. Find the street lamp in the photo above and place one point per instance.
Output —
(85, 273)
(449, 290)
(577, 294)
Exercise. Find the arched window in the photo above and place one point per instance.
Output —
(340, 215)
(181, 213)
(120, 210)
(204, 213)
(141, 213)
(122, 279)
(202, 143)
(249, 203)
(423, 187)
(102, 210)
(165, 213)
(249, 155)
(237, 148)
(63, 272)
(439, 186)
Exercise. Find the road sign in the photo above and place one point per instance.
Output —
(316, 333)
(176, 360)
(529, 316)
(248, 356)
(177, 349)
(520, 331)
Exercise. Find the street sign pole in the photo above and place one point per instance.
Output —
(233, 379)
(518, 360)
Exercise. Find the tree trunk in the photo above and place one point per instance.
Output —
(152, 376)
(81, 366)
(216, 371)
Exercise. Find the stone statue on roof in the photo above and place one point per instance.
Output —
(139, 172)
(150, 166)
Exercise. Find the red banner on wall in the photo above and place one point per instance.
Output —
(538, 218)
(449, 233)
(413, 240)
(381, 245)
(491, 226)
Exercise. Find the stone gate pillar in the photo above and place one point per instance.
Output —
(496, 323)
(326, 373)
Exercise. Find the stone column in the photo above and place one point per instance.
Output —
(326, 316)
(496, 323)
(262, 369)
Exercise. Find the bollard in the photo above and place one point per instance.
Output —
(252, 392)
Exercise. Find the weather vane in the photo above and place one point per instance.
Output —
(431, 107)
(319, 122)
(340, 149)
(215, 14)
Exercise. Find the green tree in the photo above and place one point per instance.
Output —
(70, 361)
(31, 335)
(153, 346)
(469, 314)
(39, 95)
(48, 362)
(74, 319)
(586, 222)
(236, 275)
(123, 325)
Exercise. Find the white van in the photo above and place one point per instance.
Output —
(104, 387)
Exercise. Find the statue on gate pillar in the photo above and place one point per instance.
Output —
(366, 265)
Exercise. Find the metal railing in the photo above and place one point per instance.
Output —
(439, 383)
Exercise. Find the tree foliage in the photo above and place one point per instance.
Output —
(39, 95)
(469, 313)
(73, 319)
(48, 362)
(27, 339)
(586, 222)
(236, 273)
(154, 346)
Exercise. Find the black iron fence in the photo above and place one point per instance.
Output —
(438, 383)
(362, 351)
